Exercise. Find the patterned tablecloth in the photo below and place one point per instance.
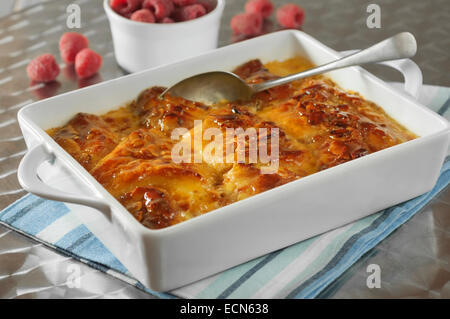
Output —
(414, 260)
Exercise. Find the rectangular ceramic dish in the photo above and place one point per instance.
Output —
(171, 257)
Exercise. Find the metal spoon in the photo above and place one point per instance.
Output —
(212, 87)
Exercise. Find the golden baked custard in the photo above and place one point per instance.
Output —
(129, 150)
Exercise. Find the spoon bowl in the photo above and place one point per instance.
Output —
(213, 87)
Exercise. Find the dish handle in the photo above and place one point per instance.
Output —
(30, 181)
(411, 73)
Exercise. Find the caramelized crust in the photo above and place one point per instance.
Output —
(129, 150)
(166, 114)
(139, 172)
(87, 138)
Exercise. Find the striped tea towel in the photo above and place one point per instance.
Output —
(302, 270)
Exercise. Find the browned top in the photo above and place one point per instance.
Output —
(129, 150)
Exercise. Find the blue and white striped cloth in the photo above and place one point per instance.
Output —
(302, 270)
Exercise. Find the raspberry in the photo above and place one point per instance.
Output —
(125, 7)
(262, 7)
(87, 63)
(182, 3)
(189, 12)
(43, 68)
(160, 8)
(249, 24)
(117, 5)
(70, 44)
(290, 16)
(143, 15)
(167, 20)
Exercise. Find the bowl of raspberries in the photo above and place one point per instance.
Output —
(149, 33)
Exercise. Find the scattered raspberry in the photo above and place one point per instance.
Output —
(262, 7)
(268, 27)
(189, 12)
(160, 8)
(167, 20)
(249, 24)
(70, 44)
(87, 63)
(125, 7)
(290, 16)
(43, 68)
(143, 15)
(182, 3)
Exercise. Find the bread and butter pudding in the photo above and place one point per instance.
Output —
(129, 150)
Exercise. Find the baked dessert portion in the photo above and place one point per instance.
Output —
(89, 138)
(130, 150)
(140, 173)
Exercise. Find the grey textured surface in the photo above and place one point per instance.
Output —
(415, 260)
(341, 24)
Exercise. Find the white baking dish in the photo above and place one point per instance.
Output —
(171, 257)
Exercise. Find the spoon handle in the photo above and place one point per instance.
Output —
(400, 46)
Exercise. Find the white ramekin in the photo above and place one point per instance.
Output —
(139, 45)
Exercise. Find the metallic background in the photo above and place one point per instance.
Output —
(414, 260)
